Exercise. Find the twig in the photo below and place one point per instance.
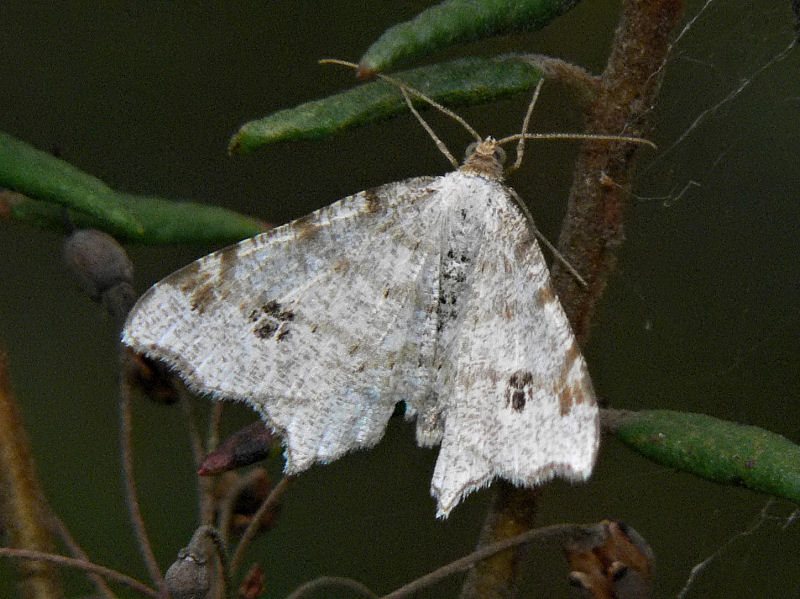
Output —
(213, 432)
(130, 488)
(80, 564)
(77, 552)
(228, 505)
(255, 523)
(592, 228)
(205, 485)
(22, 505)
(329, 581)
(487, 551)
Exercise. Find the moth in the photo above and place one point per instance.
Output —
(430, 291)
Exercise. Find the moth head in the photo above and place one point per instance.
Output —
(485, 158)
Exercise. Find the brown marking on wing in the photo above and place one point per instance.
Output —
(372, 201)
(569, 395)
(573, 353)
(228, 257)
(545, 295)
(342, 266)
(305, 227)
(522, 249)
(199, 291)
(566, 398)
(190, 271)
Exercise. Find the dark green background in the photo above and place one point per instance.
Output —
(701, 316)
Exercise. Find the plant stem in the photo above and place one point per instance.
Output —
(22, 505)
(130, 489)
(592, 230)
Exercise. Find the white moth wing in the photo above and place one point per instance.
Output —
(321, 325)
(518, 402)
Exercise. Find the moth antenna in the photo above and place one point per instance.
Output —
(439, 143)
(600, 137)
(407, 89)
(525, 122)
(546, 242)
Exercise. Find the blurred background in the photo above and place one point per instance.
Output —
(700, 316)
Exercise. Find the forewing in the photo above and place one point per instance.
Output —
(519, 402)
(321, 325)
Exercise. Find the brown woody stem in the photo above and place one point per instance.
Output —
(592, 230)
(23, 510)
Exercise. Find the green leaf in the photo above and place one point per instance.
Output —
(50, 185)
(464, 81)
(457, 21)
(719, 450)
(40, 175)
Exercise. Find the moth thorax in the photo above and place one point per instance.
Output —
(485, 158)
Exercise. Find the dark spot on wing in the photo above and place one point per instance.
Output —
(462, 258)
(519, 389)
(274, 309)
(456, 264)
(265, 330)
(271, 318)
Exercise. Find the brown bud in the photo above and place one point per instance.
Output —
(251, 444)
(610, 560)
(103, 269)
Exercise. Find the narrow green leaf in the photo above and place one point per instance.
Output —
(719, 450)
(464, 81)
(176, 221)
(457, 21)
(40, 175)
(47, 185)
